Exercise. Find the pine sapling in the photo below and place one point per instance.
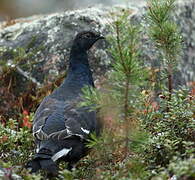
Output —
(166, 37)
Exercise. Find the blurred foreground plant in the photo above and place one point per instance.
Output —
(117, 103)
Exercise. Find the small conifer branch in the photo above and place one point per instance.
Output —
(126, 109)
(119, 47)
(170, 81)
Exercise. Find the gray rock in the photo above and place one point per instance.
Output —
(50, 37)
(46, 41)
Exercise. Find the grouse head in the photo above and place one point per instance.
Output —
(84, 40)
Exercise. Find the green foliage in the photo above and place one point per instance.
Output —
(159, 11)
(15, 141)
(65, 174)
(90, 97)
(178, 120)
(166, 37)
(163, 31)
(16, 146)
(171, 132)
(125, 49)
(183, 168)
(108, 161)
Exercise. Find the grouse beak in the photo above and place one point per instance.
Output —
(100, 37)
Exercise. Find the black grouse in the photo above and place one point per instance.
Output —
(60, 127)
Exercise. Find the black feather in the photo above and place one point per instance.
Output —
(61, 127)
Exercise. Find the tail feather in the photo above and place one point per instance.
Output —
(47, 165)
(33, 165)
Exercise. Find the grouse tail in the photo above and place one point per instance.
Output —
(48, 165)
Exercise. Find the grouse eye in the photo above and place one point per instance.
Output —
(87, 35)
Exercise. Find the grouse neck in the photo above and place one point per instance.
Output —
(78, 56)
(79, 72)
